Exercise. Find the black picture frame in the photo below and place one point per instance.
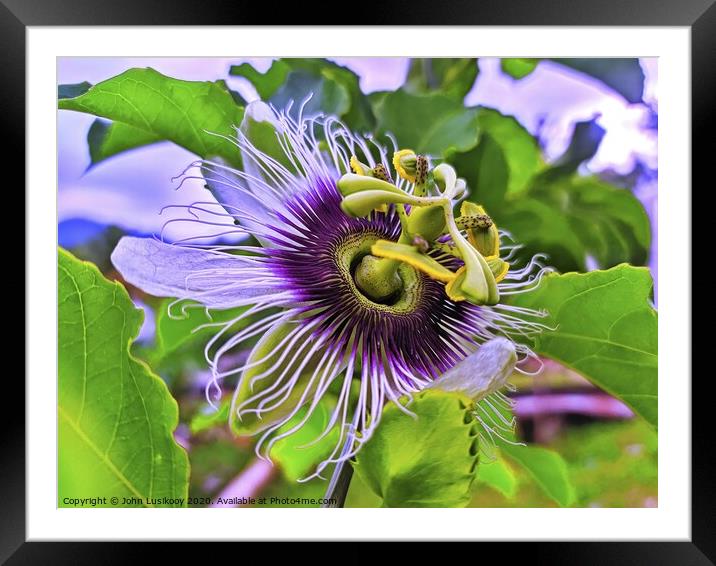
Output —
(698, 15)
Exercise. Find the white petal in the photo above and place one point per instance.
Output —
(215, 279)
(482, 372)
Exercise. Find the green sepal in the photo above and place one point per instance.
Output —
(249, 422)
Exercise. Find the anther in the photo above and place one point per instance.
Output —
(471, 221)
(381, 172)
(421, 169)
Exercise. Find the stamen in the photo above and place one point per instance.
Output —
(467, 221)
(421, 169)
(381, 172)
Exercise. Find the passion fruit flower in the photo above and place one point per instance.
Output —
(361, 286)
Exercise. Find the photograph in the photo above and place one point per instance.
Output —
(357, 282)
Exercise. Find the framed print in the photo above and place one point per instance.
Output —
(420, 273)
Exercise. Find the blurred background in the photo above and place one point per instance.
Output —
(611, 457)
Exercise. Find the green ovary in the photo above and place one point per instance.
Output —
(377, 283)
(378, 278)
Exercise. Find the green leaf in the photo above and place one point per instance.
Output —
(209, 417)
(359, 116)
(259, 127)
(486, 172)
(605, 329)
(504, 162)
(182, 328)
(541, 228)
(547, 468)
(296, 454)
(451, 76)
(266, 84)
(499, 476)
(376, 98)
(520, 148)
(569, 218)
(70, 91)
(336, 89)
(425, 462)
(191, 114)
(106, 139)
(328, 96)
(518, 67)
(435, 124)
(116, 418)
